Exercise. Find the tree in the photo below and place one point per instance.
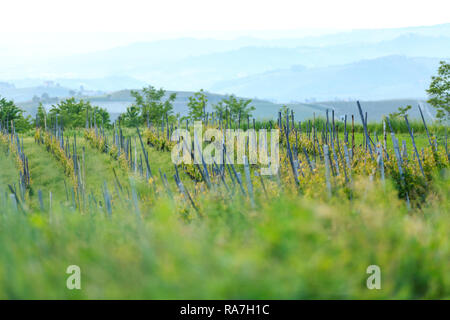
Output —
(73, 113)
(41, 115)
(10, 112)
(131, 118)
(149, 101)
(284, 111)
(101, 116)
(197, 104)
(439, 91)
(23, 124)
(233, 107)
(401, 112)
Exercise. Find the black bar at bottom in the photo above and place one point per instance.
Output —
(224, 309)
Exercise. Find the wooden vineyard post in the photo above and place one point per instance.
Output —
(353, 133)
(327, 168)
(425, 125)
(380, 161)
(347, 160)
(249, 181)
(399, 160)
(366, 134)
(414, 145)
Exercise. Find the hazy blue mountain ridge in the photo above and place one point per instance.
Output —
(358, 64)
(375, 79)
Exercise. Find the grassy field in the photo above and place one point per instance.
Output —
(138, 237)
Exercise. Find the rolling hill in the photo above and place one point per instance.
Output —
(376, 79)
(117, 102)
(212, 64)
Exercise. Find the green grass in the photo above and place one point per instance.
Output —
(284, 246)
(288, 248)
(99, 169)
(8, 172)
(46, 173)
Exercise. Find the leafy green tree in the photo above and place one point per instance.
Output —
(284, 111)
(233, 107)
(73, 113)
(401, 112)
(23, 124)
(197, 104)
(151, 104)
(101, 116)
(439, 91)
(41, 116)
(10, 112)
(131, 118)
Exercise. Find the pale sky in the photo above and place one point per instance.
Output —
(182, 16)
(66, 24)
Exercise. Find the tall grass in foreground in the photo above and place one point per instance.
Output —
(139, 228)
(288, 248)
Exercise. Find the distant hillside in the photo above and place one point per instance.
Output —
(190, 64)
(375, 109)
(377, 79)
(117, 102)
(110, 83)
(25, 89)
(25, 94)
(376, 35)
